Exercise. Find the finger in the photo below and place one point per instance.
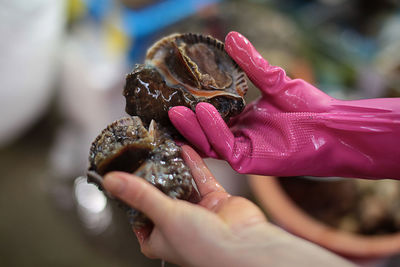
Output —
(266, 77)
(218, 133)
(185, 121)
(287, 94)
(139, 194)
(154, 245)
(239, 213)
(205, 180)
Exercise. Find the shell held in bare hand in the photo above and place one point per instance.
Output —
(183, 70)
(126, 145)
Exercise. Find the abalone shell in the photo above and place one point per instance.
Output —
(127, 145)
(183, 70)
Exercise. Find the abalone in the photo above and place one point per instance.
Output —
(127, 145)
(180, 70)
(183, 70)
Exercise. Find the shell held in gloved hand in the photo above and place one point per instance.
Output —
(183, 70)
(126, 145)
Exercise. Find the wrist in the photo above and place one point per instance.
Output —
(268, 245)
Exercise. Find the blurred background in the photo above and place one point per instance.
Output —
(62, 72)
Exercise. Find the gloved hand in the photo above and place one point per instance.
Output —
(296, 129)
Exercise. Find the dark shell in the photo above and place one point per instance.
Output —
(126, 145)
(180, 70)
(183, 70)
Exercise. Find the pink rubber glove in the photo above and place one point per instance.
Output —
(294, 128)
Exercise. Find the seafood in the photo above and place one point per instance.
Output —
(183, 70)
(180, 70)
(126, 145)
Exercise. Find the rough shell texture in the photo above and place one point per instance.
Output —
(180, 70)
(126, 145)
(185, 69)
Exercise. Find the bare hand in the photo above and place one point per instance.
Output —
(221, 230)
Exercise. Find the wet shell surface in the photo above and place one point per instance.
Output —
(183, 70)
(127, 145)
(180, 70)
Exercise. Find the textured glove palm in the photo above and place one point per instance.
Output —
(294, 128)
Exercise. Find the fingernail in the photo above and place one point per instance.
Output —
(139, 235)
(114, 183)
